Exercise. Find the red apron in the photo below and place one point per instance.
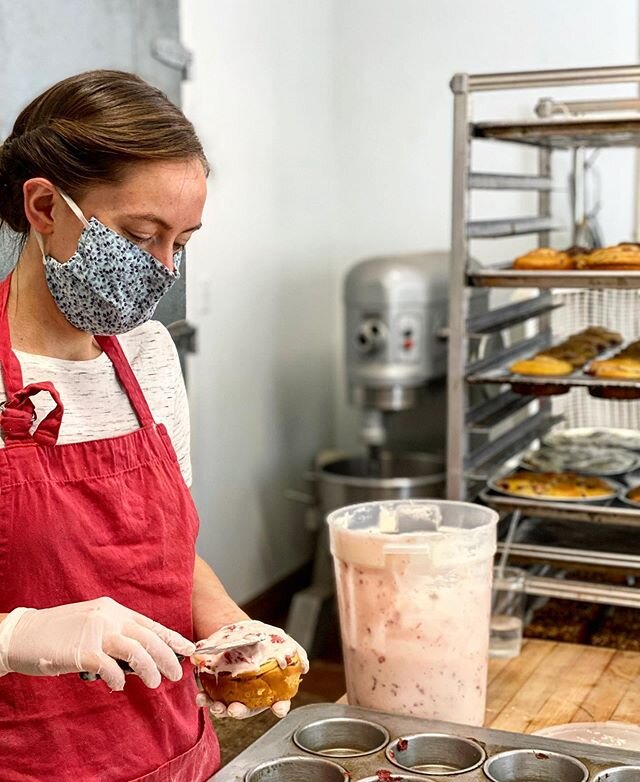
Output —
(79, 521)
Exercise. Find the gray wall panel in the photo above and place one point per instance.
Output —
(43, 42)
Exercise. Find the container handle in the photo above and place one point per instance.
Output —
(399, 548)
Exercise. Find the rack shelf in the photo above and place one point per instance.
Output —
(511, 404)
(486, 436)
(574, 512)
(564, 133)
(503, 277)
(502, 376)
(567, 557)
(579, 590)
(480, 463)
(510, 226)
(480, 180)
(565, 544)
(511, 315)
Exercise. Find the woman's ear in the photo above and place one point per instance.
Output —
(39, 199)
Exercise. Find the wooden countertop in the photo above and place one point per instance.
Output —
(554, 683)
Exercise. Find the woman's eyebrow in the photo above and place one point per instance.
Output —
(151, 218)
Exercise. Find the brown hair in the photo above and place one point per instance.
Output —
(86, 130)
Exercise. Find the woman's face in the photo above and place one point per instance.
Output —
(157, 206)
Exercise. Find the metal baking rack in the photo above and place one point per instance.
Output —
(503, 277)
(488, 429)
(495, 370)
(335, 743)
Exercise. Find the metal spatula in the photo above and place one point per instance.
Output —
(251, 639)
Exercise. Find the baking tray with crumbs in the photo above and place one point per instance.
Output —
(523, 485)
(336, 743)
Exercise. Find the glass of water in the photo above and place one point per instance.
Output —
(507, 611)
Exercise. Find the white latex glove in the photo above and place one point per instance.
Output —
(87, 637)
(238, 710)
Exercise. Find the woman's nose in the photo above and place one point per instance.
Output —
(165, 256)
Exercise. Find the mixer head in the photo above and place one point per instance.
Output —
(396, 305)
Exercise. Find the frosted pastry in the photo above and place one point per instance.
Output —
(257, 676)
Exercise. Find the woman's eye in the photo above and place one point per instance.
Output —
(139, 239)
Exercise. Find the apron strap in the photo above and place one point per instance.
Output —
(18, 416)
(127, 378)
(9, 364)
(18, 412)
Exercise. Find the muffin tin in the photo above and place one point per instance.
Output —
(336, 743)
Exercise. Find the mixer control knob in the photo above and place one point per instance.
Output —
(371, 336)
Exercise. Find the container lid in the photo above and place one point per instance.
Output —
(618, 735)
(421, 535)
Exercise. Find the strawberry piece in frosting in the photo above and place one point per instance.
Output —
(247, 659)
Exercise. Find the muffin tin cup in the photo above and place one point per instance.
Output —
(341, 737)
(298, 769)
(435, 754)
(541, 765)
(419, 751)
(619, 774)
(395, 776)
(614, 392)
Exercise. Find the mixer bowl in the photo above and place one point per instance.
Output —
(347, 481)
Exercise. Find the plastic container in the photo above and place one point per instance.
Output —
(414, 592)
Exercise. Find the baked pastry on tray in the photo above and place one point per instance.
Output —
(545, 258)
(619, 367)
(555, 486)
(625, 365)
(621, 257)
(569, 355)
(600, 336)
(633, 494)
(581, 458)
(542, 364)
(628, 439)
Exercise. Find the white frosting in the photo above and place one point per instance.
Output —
(277, 646)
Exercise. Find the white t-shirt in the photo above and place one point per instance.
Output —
(95, 404)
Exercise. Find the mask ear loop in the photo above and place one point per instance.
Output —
(74, 208)
(76, 211)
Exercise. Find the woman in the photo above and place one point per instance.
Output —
(104, 181)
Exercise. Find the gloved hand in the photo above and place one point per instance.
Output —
(87, 637)
(259, 654)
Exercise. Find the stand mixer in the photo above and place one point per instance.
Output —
(395, 310)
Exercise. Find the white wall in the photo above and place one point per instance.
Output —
(393, 60)
(260, 277)
(328, 123)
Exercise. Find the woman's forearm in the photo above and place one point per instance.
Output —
(212, 606)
